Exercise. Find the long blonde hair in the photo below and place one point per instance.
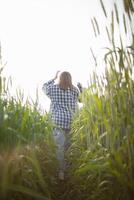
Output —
(65, 81)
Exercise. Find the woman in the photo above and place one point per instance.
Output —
(64, 98)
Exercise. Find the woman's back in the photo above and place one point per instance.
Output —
(63, 103)
(66, 99)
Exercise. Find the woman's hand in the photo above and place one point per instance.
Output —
(56, 75)
(79, 85)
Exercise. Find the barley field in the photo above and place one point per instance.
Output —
(101, 155)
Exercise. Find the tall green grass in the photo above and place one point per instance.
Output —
(21, 121)
(101, 154)
(27, 158)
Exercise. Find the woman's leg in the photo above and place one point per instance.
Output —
(67, 144)
(60, 141)
(67, 139)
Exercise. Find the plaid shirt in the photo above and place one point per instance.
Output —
(63, 103)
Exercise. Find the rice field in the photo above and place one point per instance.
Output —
(101, 155)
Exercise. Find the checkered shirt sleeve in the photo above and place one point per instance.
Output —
(63, 103)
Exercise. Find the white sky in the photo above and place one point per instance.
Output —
(39, 37)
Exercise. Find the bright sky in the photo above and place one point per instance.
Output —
(39, 37)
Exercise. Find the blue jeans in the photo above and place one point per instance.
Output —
(60, 141)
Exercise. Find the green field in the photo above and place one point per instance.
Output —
(101, 155)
